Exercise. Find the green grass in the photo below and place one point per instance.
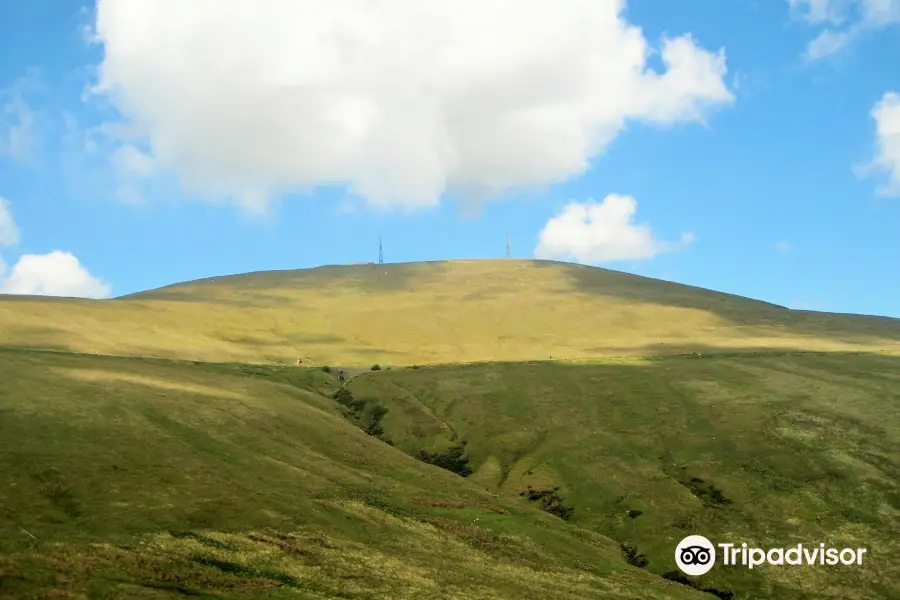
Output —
(158, 446)
(765, 449)
(162, 479)
(427, 313)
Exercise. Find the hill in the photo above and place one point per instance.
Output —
(772, 450)
(137, 478)
(428, 313)
(146, 457)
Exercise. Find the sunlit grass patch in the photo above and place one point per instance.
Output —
(430, 313)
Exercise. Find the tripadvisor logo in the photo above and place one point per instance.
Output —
(695, 555)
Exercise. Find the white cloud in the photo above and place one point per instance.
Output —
(54, 274)
(401, 100)
(817, 11)
(827, 43)
(874, 13)
(886, 114)
(131, 161)
(806, 305)
(880, 13)
(132, 166)
(108, 158)
(593, 232)
(9, 231)
(18, 134)
(856, 17)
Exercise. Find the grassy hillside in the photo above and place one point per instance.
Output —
(129, 478)
(423, 313)
(145, 455)
(768, 450)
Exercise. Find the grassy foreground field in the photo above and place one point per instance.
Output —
(135, 478)
(765, 449)
(428, 313)
(157, 446)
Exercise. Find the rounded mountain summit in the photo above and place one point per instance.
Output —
(430, 312)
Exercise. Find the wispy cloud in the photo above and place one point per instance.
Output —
(109, 159)
(845, 20)
(827, 43)
(9, 231)
(19, 136)
(806, 305)
(886, 115)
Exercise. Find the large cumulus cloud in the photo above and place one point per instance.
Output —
(401, 100)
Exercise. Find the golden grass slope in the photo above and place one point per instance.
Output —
(420, 313)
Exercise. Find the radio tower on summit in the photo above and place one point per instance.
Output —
(380, 252)
(508, 248)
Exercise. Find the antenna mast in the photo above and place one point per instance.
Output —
(508, 250)
(380, 252)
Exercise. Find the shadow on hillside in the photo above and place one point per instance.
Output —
(39, 338)
(296, 341)
(736, 309)
(365, 277)
(376, 352)
(316, 338)
(45, 299)
(653, 354)
(690, 349)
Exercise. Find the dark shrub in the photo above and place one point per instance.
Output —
(345, 397)
(364, 413)
(551, 502)
(634, 558)
(378, 412)
(678, 577)
(376, 367)
(708, 493)
(452, 459)
(373, 420)
(327, 369)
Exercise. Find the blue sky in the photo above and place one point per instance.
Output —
(144, 143)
